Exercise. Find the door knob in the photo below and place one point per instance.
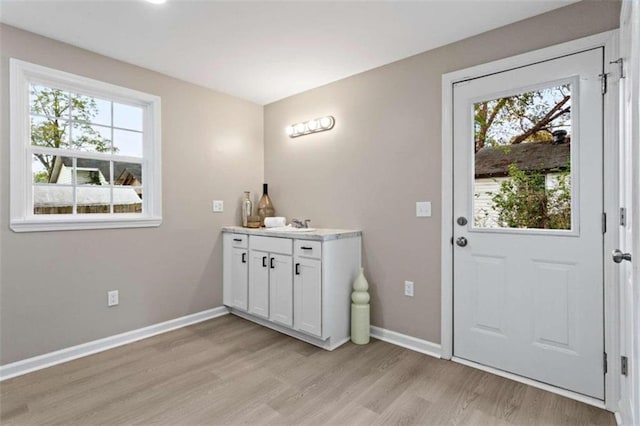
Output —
(619, 256)
(461, 241)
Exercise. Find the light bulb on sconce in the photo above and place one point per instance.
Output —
(326, 122)
(312, 126)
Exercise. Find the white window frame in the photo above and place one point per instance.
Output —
(22, 74)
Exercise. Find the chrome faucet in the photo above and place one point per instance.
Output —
(299, 224)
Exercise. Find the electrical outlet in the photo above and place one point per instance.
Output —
(112, 298)
(423, 209)
(408, 288)
(218, 206)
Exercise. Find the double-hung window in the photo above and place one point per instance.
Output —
(84, 154)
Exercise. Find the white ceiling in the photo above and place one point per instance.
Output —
(264, 50)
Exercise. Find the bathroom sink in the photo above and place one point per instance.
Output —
(290, 229)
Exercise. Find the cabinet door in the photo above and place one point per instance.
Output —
(259, 283)
(307, 291)
(281, 289)
(239, 278)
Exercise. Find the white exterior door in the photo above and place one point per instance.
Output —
(259, 283)
(528, 268)
(281, 290)
(307, 290)
(630, 201)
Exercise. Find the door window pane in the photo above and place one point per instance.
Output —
(522, 160)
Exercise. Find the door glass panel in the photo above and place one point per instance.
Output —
(522, 160)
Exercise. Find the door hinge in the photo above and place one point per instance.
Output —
(623, 216)
(620, 63)
(624, 366)
(605, 364)
(603, 79)
(604, 223)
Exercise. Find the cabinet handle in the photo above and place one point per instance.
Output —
(244, 257)
(264, 261)
(238, 240)
(297, 269)
(306, 248)
(271, 263)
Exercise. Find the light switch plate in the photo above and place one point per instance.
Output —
(218, 206)
(408, 288)
(423, 209)
(112, 298)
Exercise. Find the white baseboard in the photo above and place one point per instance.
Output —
(563, 392)
(39, 362)
(413, 343)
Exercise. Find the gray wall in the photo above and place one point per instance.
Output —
(384, 155)
(54, 284)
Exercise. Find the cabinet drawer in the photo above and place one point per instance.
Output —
(239, 240)
(306, 248)
(271, 244)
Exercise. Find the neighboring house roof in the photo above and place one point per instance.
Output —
(532, 156)
(89, 194)
(123, 173)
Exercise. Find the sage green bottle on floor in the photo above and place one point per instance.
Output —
(360, 311)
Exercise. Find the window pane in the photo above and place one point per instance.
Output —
(523, 160)
(48, 102)
(93, 199)
(50, 133)
(127, 200)
(127, 143)
(129, 174)
(127, 116)
(92, 172)
(51, 199)
(52, 169)
(90, 109)
(85, 137)
(40, 167)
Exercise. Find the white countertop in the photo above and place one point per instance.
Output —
(318, 234)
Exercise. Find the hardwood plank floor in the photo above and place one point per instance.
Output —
(231, 371)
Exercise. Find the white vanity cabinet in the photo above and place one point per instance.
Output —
(296, 283)
(307, 287)
(271, 278)
(236, 291)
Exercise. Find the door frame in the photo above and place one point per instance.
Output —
(609, 41)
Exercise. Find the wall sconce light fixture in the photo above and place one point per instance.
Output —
(312, 126)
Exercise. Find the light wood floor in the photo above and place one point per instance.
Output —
(231, 371)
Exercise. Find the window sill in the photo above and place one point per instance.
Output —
(31, 225)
